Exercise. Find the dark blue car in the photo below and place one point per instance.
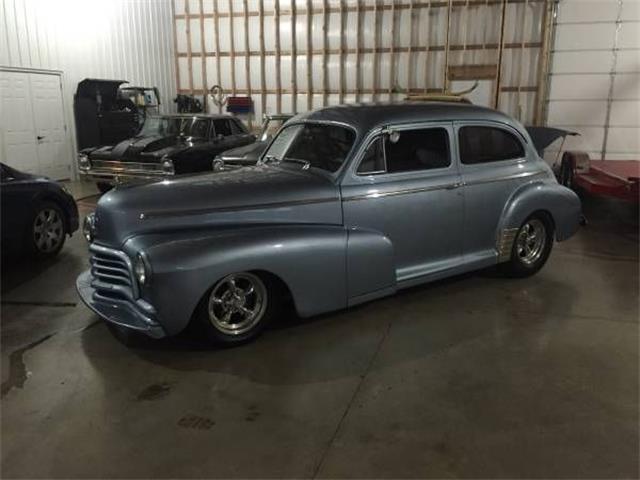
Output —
(37, 214)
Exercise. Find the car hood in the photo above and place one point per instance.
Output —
(246, 153)
(141, 149)
(263, 194)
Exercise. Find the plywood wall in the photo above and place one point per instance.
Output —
(295, 55)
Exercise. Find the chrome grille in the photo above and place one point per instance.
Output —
(115, 166)
(112, 273)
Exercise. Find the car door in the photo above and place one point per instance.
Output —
(492, 165)
(15, 207)
(405, 185)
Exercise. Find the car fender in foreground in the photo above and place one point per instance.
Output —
(309, 259)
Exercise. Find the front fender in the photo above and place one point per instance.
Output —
(309, 259)
(561, 203)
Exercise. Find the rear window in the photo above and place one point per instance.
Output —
(488, 144)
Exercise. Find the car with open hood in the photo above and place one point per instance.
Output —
(167, 145)
(347, 204)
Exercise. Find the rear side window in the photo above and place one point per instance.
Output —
(488, 144)
(236, 127)
(221, 127)
(413, 150)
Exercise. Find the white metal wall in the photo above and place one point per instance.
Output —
(372, 49)
(595, 76)
(115, 39)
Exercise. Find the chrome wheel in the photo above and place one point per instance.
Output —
(531, 241)
(237, 303)
(48, 230)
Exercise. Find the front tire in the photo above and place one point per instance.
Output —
(531, 248)
(237, 308)
(47, 230)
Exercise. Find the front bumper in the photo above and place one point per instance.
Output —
(138, 315)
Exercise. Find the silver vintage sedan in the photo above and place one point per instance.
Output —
(347, 204)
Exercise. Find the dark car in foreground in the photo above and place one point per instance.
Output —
(167, 145)
(250, 154)
(37, 214)
(347, 204)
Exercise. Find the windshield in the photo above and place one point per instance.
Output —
(271, 127)
(160, 126)
(320, 146)
(166, 126)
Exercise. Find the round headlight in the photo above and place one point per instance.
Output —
(167, 166)
(83, 162)
(217, 165)
(140, 269)
(88, 227)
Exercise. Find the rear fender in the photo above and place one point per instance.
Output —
(561, 203)
(309, 259)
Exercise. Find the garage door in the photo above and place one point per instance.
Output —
(33, 131)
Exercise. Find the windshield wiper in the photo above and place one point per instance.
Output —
(305, 163)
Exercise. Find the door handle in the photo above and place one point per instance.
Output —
(453, 186)
(39, 137)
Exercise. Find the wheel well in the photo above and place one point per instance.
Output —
(281, 287)
(548, 217)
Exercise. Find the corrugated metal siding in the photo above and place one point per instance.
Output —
(595, 76)
(116, 39)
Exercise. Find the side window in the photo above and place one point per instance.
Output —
(422, 149)
(236, 127)
(488, 144)
(373, 160)
(221, 126)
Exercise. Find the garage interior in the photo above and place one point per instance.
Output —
(474, 376)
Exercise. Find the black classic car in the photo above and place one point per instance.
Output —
(37, 214)
(249, 154)
(166, 145)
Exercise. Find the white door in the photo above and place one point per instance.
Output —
(34, 136)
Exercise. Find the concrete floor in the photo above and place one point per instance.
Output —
(476, 376)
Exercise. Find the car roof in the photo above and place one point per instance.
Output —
(366, 116)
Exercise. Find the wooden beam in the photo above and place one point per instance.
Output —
(392, 57)
(374, 63)
(503, 19)
(410, 49)
(205, 83)
(543, 62)
(358, 50)
(276, 21)
(325, 28)
(247, 58)
(341, 61)
(217, 47)
(232, 47)
(432, 48)
(189, 55)
(294, 59)
(309, 57)
(263, 84)
(369, 91)
(425, 5)
(445, 74)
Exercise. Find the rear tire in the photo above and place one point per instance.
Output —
(237, 308)
(531, 247)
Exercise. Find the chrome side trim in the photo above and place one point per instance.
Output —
(505, 177)
(204, 211)
(406, 191)
(505, 244)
